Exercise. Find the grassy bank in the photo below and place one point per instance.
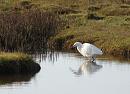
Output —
(60, 23)
(17, 63)
(110, 34)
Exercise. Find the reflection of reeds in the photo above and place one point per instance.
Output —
(28, 30)
(18, 79)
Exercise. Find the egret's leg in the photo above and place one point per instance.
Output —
(93, 59)
(89, 59)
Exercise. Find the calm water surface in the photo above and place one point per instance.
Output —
(70, 73)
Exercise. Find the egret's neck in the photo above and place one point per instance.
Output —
(79, 47)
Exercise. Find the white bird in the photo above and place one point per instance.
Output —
(88, 50)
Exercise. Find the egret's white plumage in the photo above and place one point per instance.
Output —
(88, 50)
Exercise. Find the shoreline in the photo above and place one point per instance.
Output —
(17, 63)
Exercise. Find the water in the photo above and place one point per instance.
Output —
(70, 73)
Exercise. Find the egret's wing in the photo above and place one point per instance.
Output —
(96, 50)
(91, 49)
(86, 49)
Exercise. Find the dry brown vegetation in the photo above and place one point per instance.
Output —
(28, 30)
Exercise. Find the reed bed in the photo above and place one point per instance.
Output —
(27, 30)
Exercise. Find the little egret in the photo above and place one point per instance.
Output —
(88, 50)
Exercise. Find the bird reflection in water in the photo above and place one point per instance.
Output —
(88, 67)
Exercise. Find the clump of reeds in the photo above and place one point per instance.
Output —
(27, 30)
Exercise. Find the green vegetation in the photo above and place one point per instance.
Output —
(15, 56)
(59, 23)
(111, 35)
(17, 63)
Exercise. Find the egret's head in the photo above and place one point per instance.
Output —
(77, 44)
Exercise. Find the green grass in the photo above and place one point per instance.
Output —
(15, 56)
(111, 35)
(80, 5)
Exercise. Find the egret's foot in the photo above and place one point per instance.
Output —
(93, 59)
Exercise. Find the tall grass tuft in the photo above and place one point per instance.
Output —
(27, 30)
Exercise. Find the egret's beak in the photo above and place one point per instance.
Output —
(74, 46)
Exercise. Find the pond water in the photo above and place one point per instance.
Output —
(70, 73)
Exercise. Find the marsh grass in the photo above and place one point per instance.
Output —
(32, 28)
(111, 35)
(15, 56)
(27, 30)
(115, 10)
